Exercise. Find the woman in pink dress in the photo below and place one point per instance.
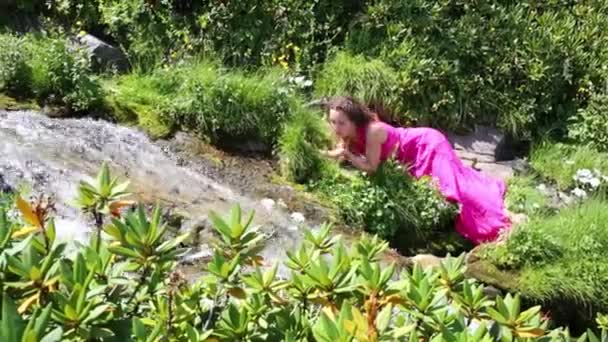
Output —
(366, 142)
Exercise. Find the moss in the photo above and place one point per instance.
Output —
(10, 103)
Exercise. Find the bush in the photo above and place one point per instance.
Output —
(591, 123)
(561, 257)
(524, 65)
(14, 71)
(49, 70)
(125, 285)
(303, 137)
(524, 197)
(388, 202)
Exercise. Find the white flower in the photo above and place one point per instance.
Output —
(297, 217)
(292, 228)
(580, 193)
(268, 203)
(594, 182)
(584, 173)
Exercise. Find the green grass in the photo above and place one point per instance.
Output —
(559, 162)
(207, 99)
(524, 197)
(302, 138)
(369, 80)
(562, 257)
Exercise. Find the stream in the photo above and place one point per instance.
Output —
(50, 156)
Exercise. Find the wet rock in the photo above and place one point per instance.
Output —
(4, 186)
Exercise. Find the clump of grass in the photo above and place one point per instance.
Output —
(562, 257)
(218, 104)
(369, 80)
(559, 162)
(298, 148)
(139, 99)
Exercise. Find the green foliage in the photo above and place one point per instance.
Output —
(223, 106)
(560, 257)
(559, 163)
(14, 71)
(126, 287)
(523, 196)
(591, 123)
(304, 135)
(525, 65)
(48, 70)
(371, 81)
(388, 201)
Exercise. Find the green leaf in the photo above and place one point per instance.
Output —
(102, 332)
(70, 313)
(11, 326)
(55, 335)
(129, 253)
(384, 318)
(139, 329)
(98, 311)
(171, 244)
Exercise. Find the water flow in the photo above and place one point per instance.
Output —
(50, 156)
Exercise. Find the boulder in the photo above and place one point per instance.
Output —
(103, 54)
(490, 151)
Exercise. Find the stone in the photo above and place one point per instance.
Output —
(4, 186)
(426, 260)
(489, 151)
(103, 54)
(481, 144)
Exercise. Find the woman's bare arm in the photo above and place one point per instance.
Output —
(376, 136)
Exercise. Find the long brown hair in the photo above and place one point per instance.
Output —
(354, 110)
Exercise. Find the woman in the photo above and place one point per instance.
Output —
(366, 142)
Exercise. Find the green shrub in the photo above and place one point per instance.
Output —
(14, 71)
(369, 80)
(561, 257)
(48, 70)
(523, 65)
(559, 163)
(62, 76)
(126, 285)
(591, 123)
(389, 202)
(304, 135)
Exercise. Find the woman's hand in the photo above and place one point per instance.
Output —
(339, 153)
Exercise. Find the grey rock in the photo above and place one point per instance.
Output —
(103, 54)
(4, 186)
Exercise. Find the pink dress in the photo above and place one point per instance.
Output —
(427, 152)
